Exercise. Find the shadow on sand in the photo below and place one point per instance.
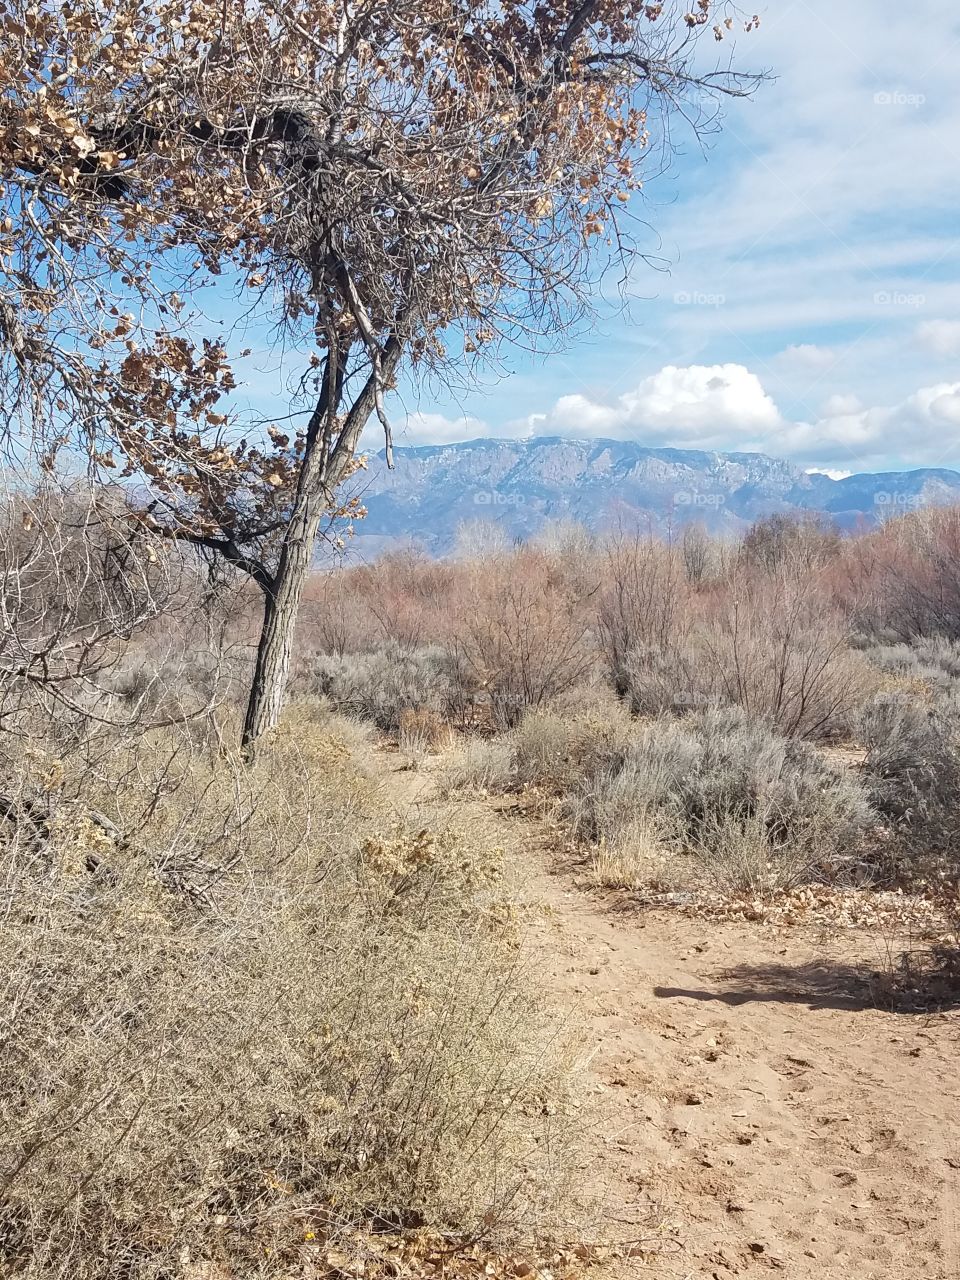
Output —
(920, 982)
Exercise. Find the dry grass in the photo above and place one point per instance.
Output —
(643, 854)
(422, 732)
(478, 764)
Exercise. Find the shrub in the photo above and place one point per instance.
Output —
(549, 749)
(654, 681)
(241, 1007)
(933, 660)
(799, 541)
(75, 586)
(643, 853)
(421, 731)
(479, 764)
(523, 635)
(698, 778)
(912, 769)
(384, 685)
(553, 748)
(641, 604)
(770, 646)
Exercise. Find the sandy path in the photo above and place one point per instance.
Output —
(748, 1086)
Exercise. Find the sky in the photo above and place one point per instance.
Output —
(808, 304)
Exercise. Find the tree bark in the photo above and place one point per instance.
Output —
(280, 608)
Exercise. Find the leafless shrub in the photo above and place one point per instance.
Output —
(698, 551)
(75, 586)
(787, 541)
(922, 582)
(334, 617)
(771, 646)
(779, 653)
(524, 635)
(480, 540)
(640, 606)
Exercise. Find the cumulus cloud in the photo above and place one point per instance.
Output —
(700, 406)
(942, 337)
(836, 405)
(923, 428)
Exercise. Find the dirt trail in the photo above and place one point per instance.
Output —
(749, 1087)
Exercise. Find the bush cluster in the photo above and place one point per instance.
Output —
(242, 1001)
(757, 810)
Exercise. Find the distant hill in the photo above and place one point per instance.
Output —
(522, 484)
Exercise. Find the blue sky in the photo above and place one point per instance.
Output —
(811, 308)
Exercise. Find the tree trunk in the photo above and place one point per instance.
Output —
(280, 609)
(321, 472)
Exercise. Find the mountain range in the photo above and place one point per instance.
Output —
(522, 484)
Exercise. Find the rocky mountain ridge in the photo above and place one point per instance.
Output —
(523, 484)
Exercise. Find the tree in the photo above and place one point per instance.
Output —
(807, 539)
(697, 552)
(379, 182)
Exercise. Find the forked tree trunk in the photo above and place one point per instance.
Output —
(280, 609)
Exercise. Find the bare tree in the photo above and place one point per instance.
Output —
(697, 553)
(524, 635)
(641, 613)
(381, 182)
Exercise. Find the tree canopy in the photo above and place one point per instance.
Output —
(376, 181)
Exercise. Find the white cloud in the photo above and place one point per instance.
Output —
(942, 337)
(922, 427)
(806, 355)
(727, 408)
(699, 406)
(837, 405)
(435, 428)
(834, 473)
